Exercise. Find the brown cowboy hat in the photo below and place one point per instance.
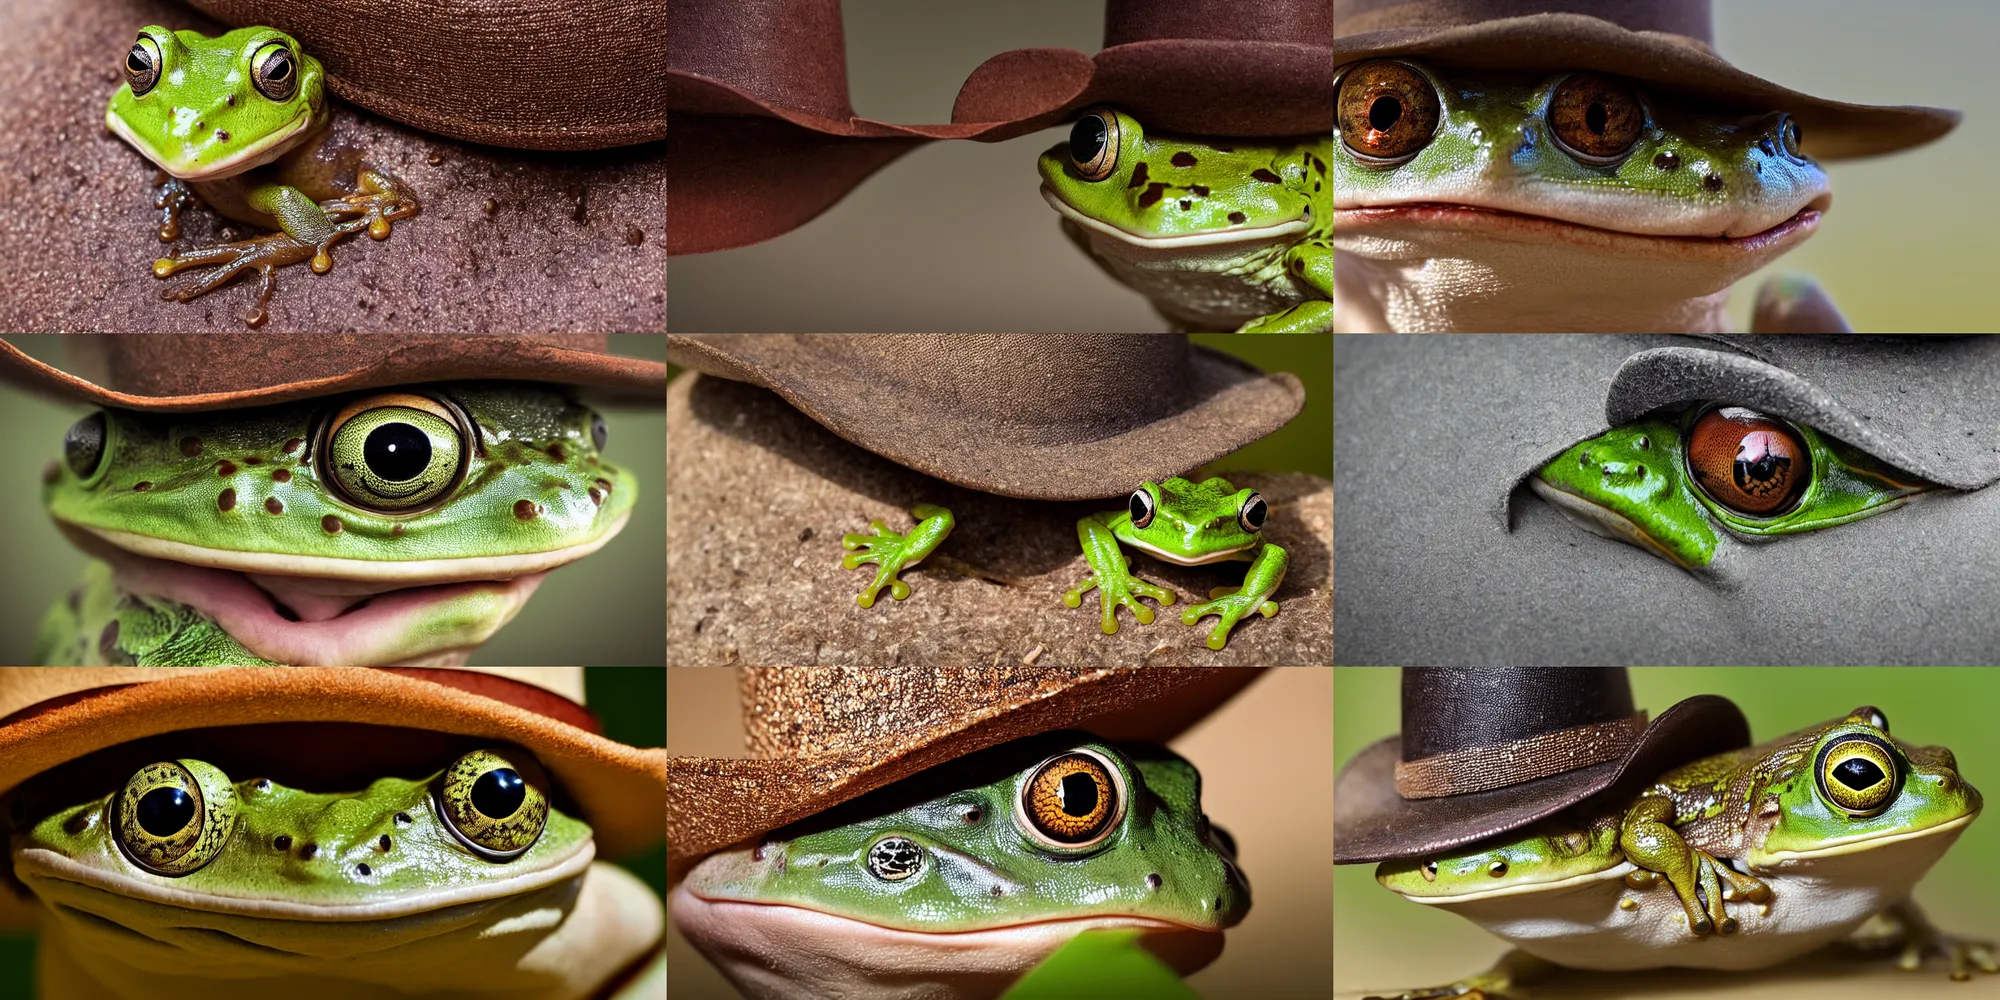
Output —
(1669, 43)
(1209, 67)
(163, 372)
(1488, 750)
(824, 735)
(1046, 416)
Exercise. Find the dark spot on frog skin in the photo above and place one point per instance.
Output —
(403, 819)
(597, 497)
(227, 501)
(308, 852)
(225, 468)
(222, 135)
(384, 844)
(1266, 176)
(527, 510)
(604, 485)
(281, 475)
(1154, 191)
(1667, 160)
(330, 524)
(1184, 159)
(1153, 880)
(191, 446)
(1200, 190)
(274, 505)
(230, 100)
(1138, 175)
(363, 869)
(107, 640)
(398, 531)
(556, 452)
(292, 445)
(552, 483)
(1713, 182)
(141, 486)
(1319, 165)
(1186, 204)
(1237, 218)
(51, 472)
(997, 891)
(77, 823)
(253, 460)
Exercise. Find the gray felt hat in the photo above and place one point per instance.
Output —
(1448, 560)
(1043, 416)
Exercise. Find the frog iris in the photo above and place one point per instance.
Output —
(1072, 801)
(1093, 145)
(175, 816)
(1387, 111)
(1858, 774)
(494, 803)
(396, 451)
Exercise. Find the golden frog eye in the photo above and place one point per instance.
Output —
(395, 452)
(1072, 801)
(275, 71)
(495, 802)
(1093, 144)
(1750, 463)
(175, 816)
(1858, 774)
(1387, 110)
(142, 65)
(1596, 118)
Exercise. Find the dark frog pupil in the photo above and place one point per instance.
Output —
(1079, 794)
(83, 445)
(137, 61)
(164, 812)
(499, 793)
(397, 452)
(1858, 773)
(1086, 139)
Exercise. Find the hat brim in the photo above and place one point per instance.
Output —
(715, 802)
(1216, 87)
(613, 784)
(403, 360)
(1371, 822)
(1233, 404)
(1551, 43)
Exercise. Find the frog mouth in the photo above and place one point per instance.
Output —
(1183, 560)
(249, 157)
(1223, 236)
(1519, 227)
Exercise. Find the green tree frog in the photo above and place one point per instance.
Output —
(1686, 486)
(1739, 861)
(391, 527)
(1220, 234)
(952, 883)
(1485, 202)
(241, 120)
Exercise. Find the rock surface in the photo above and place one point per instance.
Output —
(759, 496)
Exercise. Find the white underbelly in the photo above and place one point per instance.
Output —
(1215, 287)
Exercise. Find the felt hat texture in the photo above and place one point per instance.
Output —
(1668, 44)
(1037, 416)
(820, 736)
(53, 715)
(1475, 723)
(1451, 561)
(165, 373)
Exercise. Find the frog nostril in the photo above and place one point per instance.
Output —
(363, 869)
(384, 843)
(282, 842)
(403, 819)
(1713, 182)
(307, 852)
(1667, 160)
(1153, 880)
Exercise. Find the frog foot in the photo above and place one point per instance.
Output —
(1233, 605)
(1312, 316)
(1715, 885)
(892, 552)
(175, 197)
(1921, 939)
(1114, 589)
(262, 254)
(379, 202)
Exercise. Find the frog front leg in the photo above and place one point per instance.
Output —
(1111, 574)
(175, 196)
(1311, 265)
(892, 553)
(380, 201)
(1702, 881)
(1266, 572)
(308, 234)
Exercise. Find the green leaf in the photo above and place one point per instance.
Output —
(1103, 965)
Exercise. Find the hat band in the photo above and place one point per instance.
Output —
(1483, 769)
(1674, 17)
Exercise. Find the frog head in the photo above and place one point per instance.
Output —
(207, 108)
(1192, 523)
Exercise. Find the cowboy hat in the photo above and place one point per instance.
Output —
(1488, 750)
(167, 373)
(1668, 43)
(1038, 416)
(821, 736)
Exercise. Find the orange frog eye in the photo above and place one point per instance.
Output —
(1755, 465)
(1387, 110)
(1597, 116)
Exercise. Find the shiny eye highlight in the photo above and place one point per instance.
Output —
(1254, 510)
(1754, 465)
(1142, 507)
(175, 816)
(1387, 111)
(1093, 145)
(275, 72)
(142, 65)
(1791, 138)
(495, 803)
(1858, 774)
(1072, 800)
(1596, 118)
(395, 452)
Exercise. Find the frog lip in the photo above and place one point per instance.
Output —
(249, 157)
(1186, 560)
(1855, 845)
(1527, 228)
(1522, 889)
(1600, 520)
(1220, 236)
(1081, 923)
(40, 862)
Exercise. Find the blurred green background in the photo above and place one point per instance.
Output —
(1305, 444)
(1377, 933)
(603, 609)
(1905, 247)
(630, 701)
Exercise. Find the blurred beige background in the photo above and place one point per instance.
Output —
(1267, 777)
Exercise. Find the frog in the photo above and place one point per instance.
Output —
(467, 879)
(953, 882)
(403, 525)
(1743, 860)
(1694, 487)
(1221, 234)
(1484, 201)
(242, 121)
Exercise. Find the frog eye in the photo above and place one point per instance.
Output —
(1072, 801)
(1752, 464)
(494, 803)
(83, 445)
(1596, 118)
(1251, 515)
(142, 65)
(1093, 145)
(1791, 138)
(1142, 507)
(275, 71)
(1858, 774)
(395, 452)
(175, 816)
(894, 859)
(1388, 112)
(598, 432)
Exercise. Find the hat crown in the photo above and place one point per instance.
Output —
(1448, 709)
(1692, 18)
(1307, 22)
(785, 53)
